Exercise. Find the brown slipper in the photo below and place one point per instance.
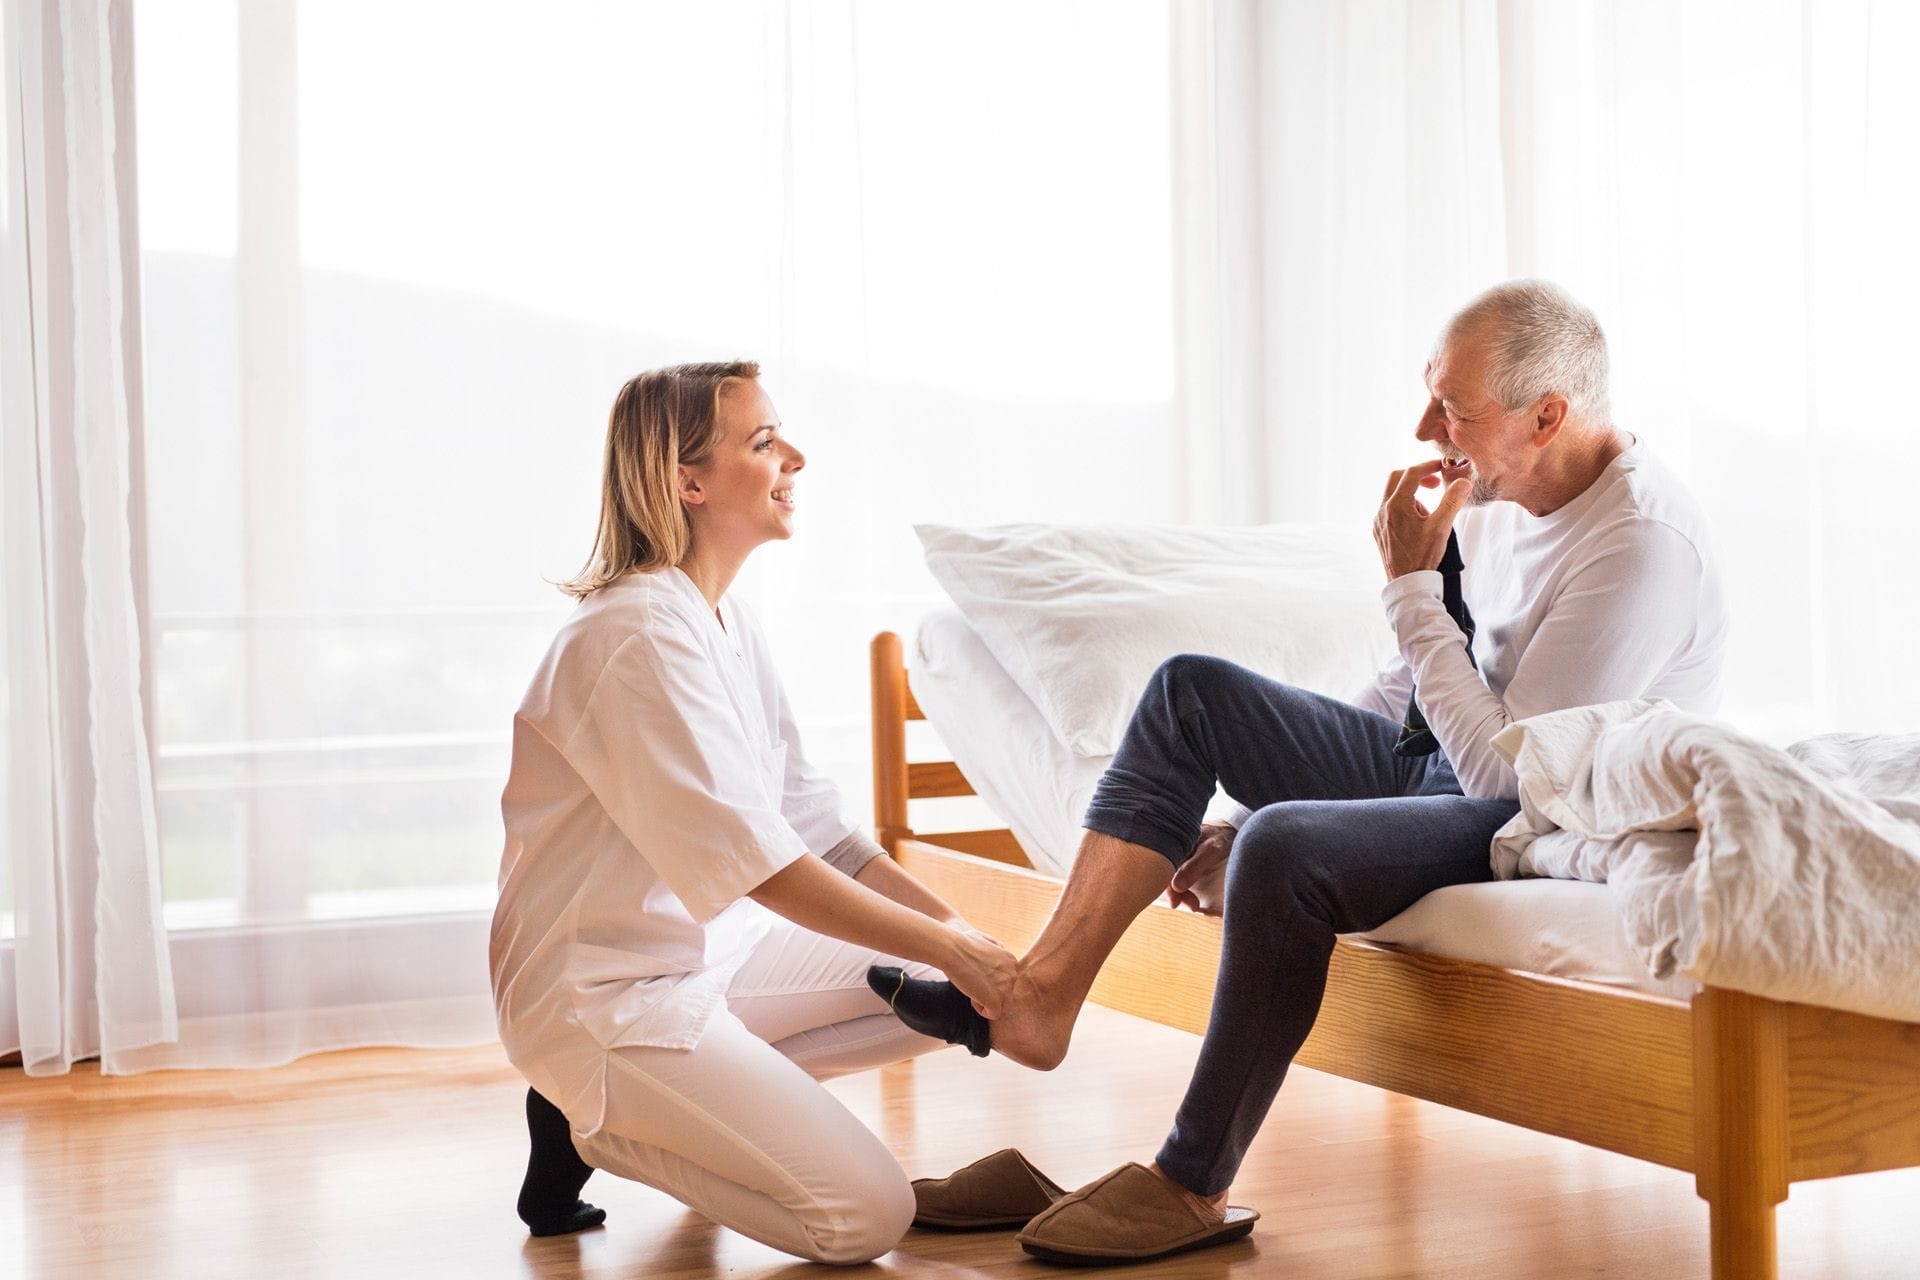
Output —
(1131, 1215)
(994, 1192)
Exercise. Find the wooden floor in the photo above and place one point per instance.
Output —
(405, 1163)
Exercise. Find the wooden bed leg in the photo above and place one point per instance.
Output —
(1740, 1126)
(889, 687)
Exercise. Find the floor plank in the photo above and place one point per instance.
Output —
(404, 1163)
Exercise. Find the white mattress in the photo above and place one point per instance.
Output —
(1565, 928)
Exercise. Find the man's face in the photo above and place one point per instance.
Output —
(1478, 438)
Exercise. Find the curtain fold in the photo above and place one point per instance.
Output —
(91, 969)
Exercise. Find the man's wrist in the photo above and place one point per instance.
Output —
(1416, 582)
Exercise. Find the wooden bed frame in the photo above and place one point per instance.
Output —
(1747, 1094)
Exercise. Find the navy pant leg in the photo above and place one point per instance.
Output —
(1204, 720)
(1299, 873)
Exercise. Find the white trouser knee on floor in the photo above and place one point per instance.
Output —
(739, 1128)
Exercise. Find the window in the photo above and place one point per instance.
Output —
(397, 265)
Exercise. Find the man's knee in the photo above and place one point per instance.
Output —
(1280, 857)
(1191, 670)
(1189, 680)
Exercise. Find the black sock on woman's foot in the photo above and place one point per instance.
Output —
(937, 1009)
(550, 1202)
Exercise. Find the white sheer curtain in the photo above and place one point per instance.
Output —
(388, 311)
(1734, 187)
(87, 970)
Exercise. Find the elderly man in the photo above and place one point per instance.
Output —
(1586, 578)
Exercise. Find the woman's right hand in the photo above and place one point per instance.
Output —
(982, 969)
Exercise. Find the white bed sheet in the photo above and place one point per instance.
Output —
(996, 735)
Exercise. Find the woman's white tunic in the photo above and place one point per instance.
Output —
(656, 778)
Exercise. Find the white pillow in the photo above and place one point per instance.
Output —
(1080, 615)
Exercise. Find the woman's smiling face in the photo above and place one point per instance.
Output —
(743, 494)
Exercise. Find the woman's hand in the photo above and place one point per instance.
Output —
(814, 896)
(982, 969)
(1201, 882)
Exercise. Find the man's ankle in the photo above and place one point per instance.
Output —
(1049, 982)
(1214, 1206)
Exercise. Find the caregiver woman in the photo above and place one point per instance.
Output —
(686, 916)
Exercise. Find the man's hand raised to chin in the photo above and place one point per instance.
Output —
(1410, 537)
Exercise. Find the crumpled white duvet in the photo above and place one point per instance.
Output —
(1791, 874)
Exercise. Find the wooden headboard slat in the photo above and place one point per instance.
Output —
(936, 778)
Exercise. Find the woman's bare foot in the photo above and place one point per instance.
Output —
(1212, 1208)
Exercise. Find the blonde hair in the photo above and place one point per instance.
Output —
(662, 420)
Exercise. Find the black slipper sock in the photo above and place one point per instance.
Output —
(937, 1009)
(550, 1202)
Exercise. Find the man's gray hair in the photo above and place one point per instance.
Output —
(1541, 340)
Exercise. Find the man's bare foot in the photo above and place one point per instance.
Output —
(1033, 1029)
(1212, 1208)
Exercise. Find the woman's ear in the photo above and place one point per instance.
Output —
(690, 491)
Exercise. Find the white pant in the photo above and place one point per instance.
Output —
(737, 1128)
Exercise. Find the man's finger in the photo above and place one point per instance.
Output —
(1393, 482)
(1452, 500)
(1411, 477)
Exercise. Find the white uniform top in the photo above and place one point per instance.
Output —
(1614, 595)
(657, 777)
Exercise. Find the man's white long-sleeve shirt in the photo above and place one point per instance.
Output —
(1614, 595)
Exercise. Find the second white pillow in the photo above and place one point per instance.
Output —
(1080, 615)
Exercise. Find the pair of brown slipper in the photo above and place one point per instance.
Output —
(1130, 1215)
